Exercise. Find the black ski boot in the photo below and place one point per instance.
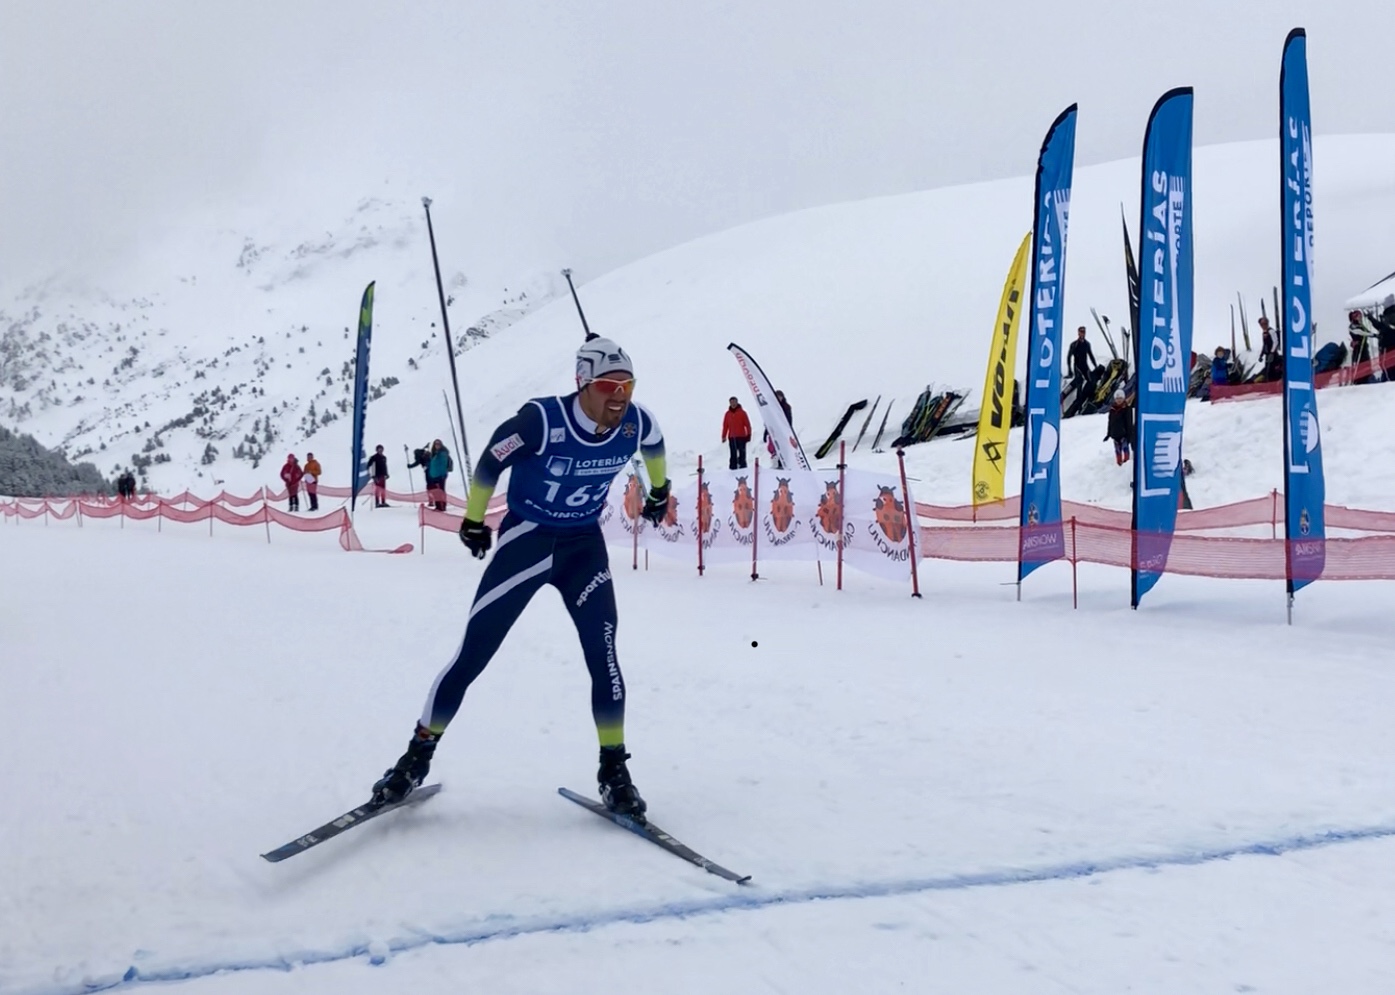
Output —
(617, 790)
(410, 770)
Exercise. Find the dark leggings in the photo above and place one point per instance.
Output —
(527, 557)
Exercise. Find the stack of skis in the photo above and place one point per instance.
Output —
(853, 409)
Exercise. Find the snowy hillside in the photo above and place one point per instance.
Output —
(838, 303)
(884, 296)
(233, 338)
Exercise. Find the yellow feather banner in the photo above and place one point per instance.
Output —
(995, 416)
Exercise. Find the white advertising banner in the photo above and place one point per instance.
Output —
(791, 515)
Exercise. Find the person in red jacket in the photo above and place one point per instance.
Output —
(290, 476)
(736, 432)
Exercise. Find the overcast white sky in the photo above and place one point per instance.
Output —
(597, 132)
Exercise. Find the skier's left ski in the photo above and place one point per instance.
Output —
(652, 833)
(351, 818)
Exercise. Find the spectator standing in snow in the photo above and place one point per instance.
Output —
(736, 433)
(437, 469)
(1266, 340)
(312, 481)
(1220, 366)
(1360, 347)
(377, 469)
(1270, 362)
(290, 476)
(1080, 359)
(1120, 427)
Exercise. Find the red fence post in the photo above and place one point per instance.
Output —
(912, 522)
(755, 518)
(698, 515)
(1274, 513)
(838, 522)
(1074, 590)
(634, 530)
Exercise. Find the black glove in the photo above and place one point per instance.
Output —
(656, 507)
(477, 537)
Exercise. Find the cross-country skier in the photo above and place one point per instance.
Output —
(564, 452)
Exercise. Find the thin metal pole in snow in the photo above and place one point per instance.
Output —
(577, 301)
(450, 348)
(842, 466)
(454, 441)
(912, 522)
(634, 532)
(755, 519)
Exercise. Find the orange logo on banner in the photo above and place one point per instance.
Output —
(891, 514)
(782, 506)
(743, 505)
(704, 509)
(634, 501)
(831, 509)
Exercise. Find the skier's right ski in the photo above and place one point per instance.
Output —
(351, 818)
(647, 830)
(870, 415)
(838, 429)
(882, 428)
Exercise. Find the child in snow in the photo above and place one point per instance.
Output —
(1120, 427)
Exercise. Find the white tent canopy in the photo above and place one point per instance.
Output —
(1380, 294)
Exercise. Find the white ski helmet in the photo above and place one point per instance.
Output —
(599, 356)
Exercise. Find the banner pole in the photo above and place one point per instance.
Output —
(842, 465)
(698, 513)
(1074, 589)
(266, 519)
(911, 520)
(450, 349)
(755, 519)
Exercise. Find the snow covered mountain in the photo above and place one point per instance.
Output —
(228, 347)
(227, 341)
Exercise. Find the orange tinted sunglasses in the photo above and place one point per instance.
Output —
(610, 388)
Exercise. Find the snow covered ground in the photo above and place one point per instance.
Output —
(956, 794)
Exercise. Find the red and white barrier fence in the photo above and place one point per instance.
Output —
(202, 511)
(850, 516)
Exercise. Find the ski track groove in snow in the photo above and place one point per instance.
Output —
(746, 900)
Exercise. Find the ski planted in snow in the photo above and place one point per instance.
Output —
(824, 449)
(351, 818)
(1104, 330)
(870, 415)
(876, 443)
(652, 833)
